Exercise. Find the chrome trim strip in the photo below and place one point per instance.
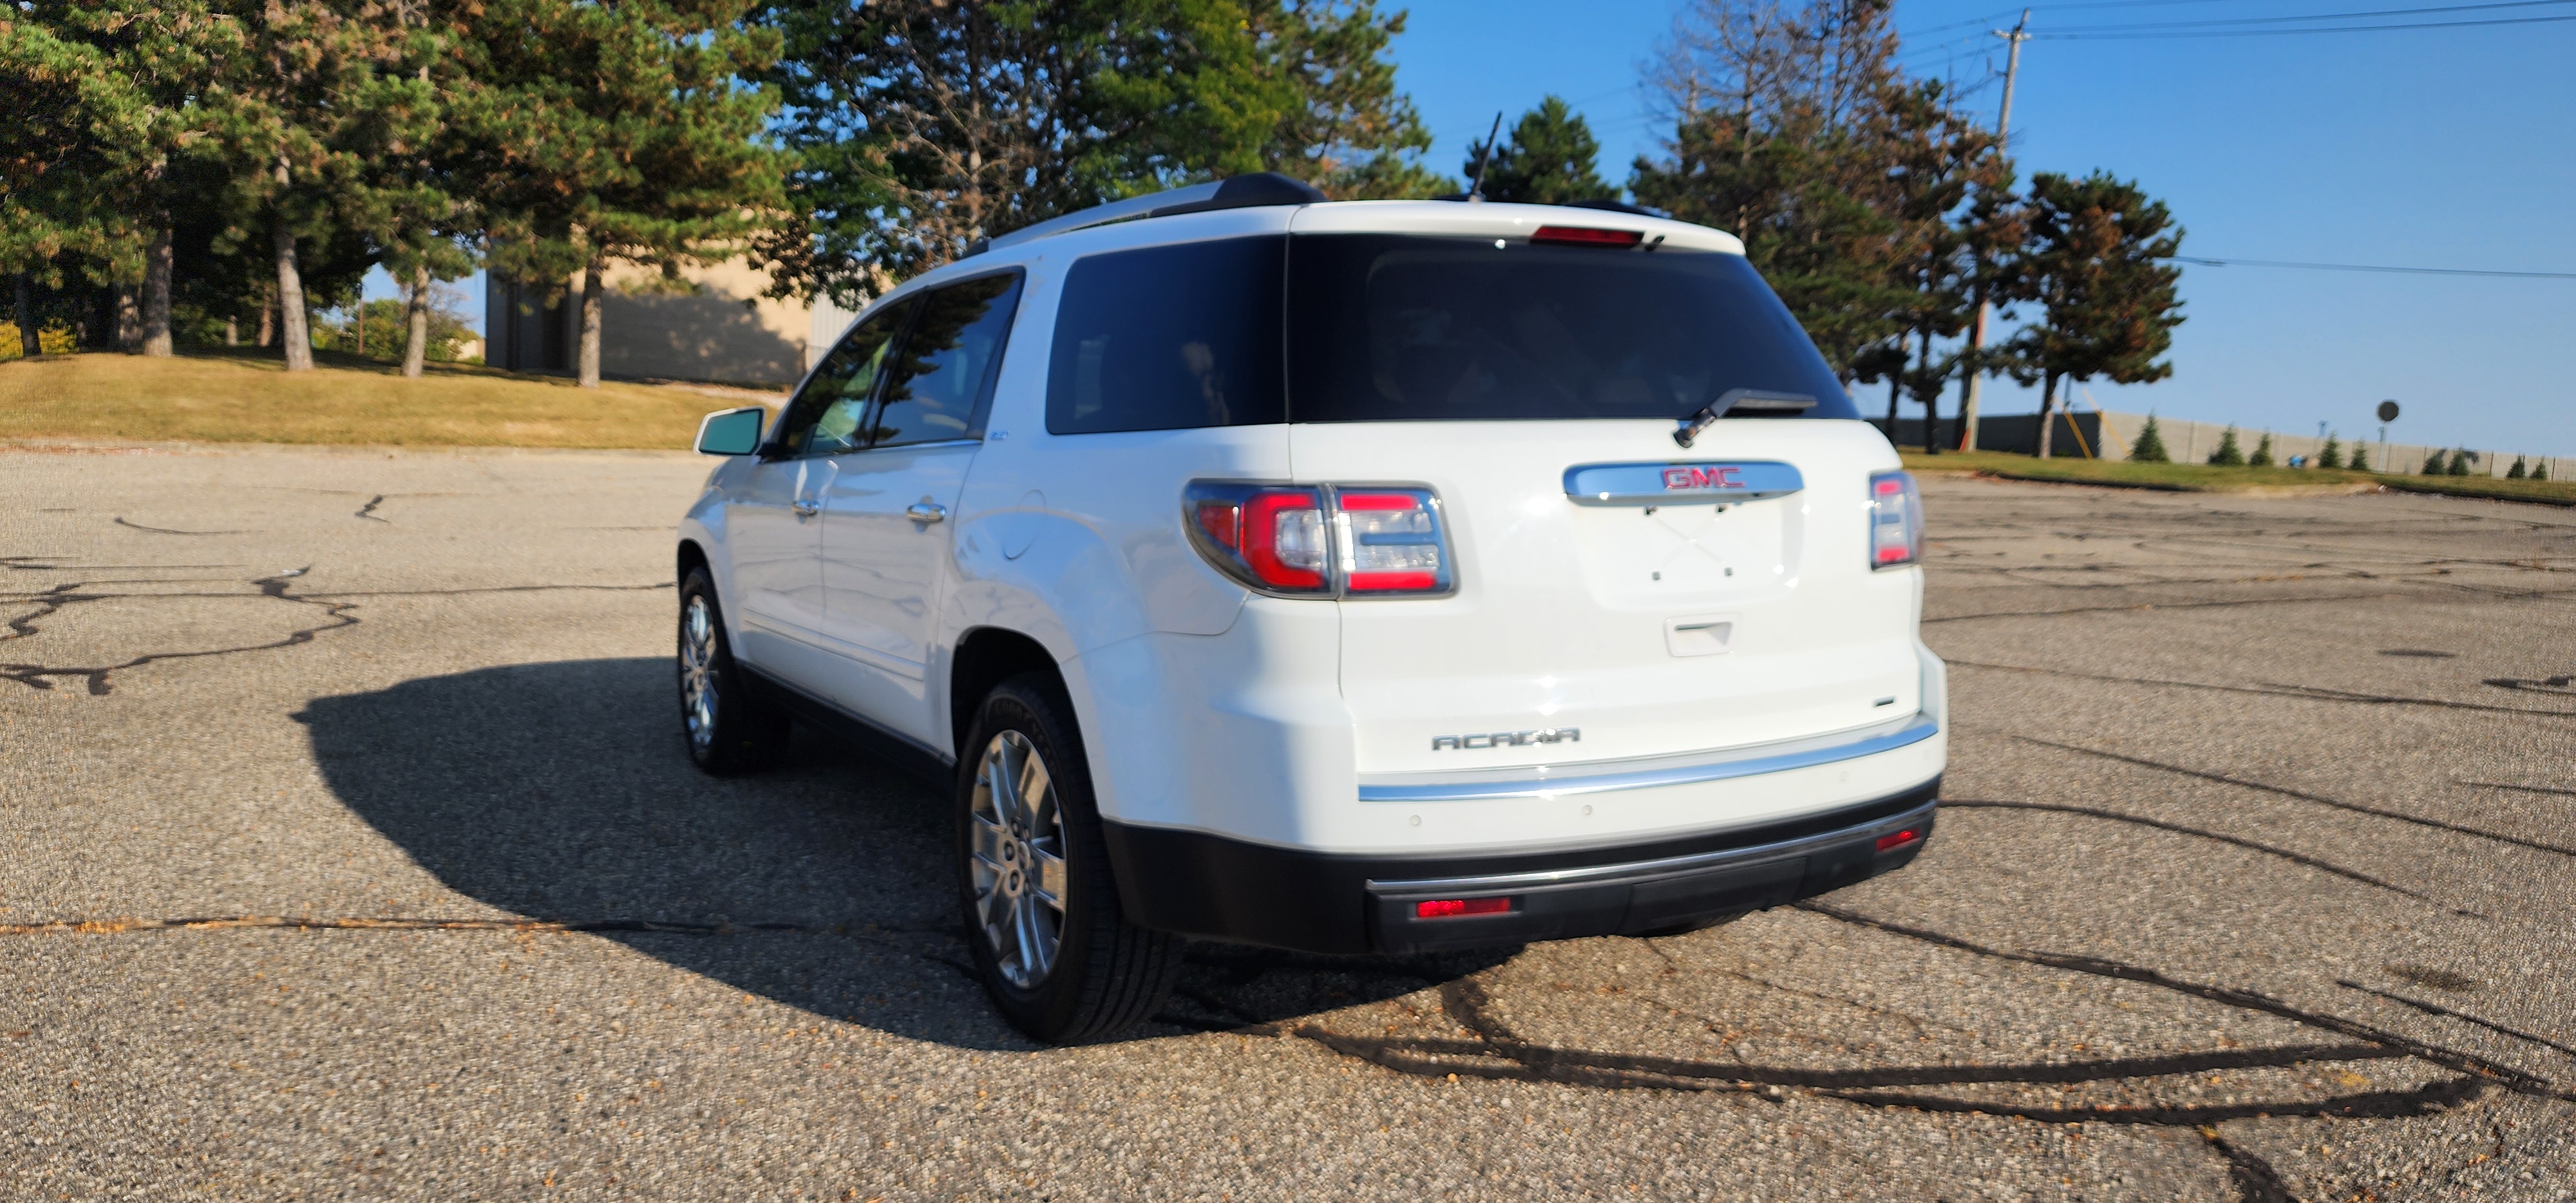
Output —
(1681, 482)
(1650, 868)
(1749, 762)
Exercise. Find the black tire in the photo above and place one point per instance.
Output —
(733, 733)
(1106, 975)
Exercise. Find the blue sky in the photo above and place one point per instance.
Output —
(2437, 148)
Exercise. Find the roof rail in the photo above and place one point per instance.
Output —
(1241, 192)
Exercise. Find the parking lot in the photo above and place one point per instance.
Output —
(352, 851)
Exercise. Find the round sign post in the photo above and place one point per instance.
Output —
(2387, 414)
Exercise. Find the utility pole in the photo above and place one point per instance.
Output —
(1985, 309)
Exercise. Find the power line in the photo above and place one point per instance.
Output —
(2312, 18)
(2080, 35)
(2368, 267)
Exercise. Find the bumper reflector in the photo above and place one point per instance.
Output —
(1450, 908)
(1895, 840)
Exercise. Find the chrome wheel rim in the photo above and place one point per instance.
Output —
(1017, 859)
(697, 671)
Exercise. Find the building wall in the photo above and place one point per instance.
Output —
(2191, 442)
(713, 327)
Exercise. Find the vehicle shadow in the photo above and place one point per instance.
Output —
(561, 792)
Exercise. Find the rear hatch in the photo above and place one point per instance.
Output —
(1610, 594)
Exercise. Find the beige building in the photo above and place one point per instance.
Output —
(723, 331)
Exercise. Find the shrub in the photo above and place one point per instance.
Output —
(2228, 453)
(2540, 471)
(2262, 457)
(2433, 463)
(2460, 462)
(2361, 457)
(2150, 447)
(2332, 455)
(2517, 471)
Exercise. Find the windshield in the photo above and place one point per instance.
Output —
(1388, 327)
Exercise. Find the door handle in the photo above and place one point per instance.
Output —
(925, 512)
(804, 509)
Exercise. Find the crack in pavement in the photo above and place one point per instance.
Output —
(163, 530)
(40, 676)
(2312, 693)
(2159, 824)
(2302, 795)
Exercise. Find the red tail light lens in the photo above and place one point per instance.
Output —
(1895, 520)
(1452, 908)
(1586, 236)
(1321, 541)
(1898, 839)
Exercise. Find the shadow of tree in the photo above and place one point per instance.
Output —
(561, 792)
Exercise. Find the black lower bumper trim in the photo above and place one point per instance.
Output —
(1216, 888)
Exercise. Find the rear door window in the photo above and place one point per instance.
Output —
(942, 379)
(1170, 337)
(1407, 327)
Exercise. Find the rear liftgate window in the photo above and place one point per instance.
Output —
(1169, 338)
(1397, 327)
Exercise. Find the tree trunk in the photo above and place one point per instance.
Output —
(294, 332)
(267, 322)
(232, 331)
(31, 343)
(1895, 389)
(2047, 403)
(1931, 400)
(416, 324)
(129, 319)
(156, 292)
(589, 370)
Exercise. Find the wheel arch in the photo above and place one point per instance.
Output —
(986, 657)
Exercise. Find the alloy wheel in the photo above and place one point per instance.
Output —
(1017, 860)
(697, 671)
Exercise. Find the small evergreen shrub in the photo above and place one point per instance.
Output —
(2150, 447)
(2262, 457)
(2228, 455)
(2517, 471)
(2361, 457)
(2540, 471)
(2460, 462)
(2332, 455)
(2433, 465)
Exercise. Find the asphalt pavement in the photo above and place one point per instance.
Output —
(351, 851)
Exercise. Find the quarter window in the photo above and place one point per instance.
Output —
(1170, 337)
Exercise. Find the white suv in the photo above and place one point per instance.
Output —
(1345, 577)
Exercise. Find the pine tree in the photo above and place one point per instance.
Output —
(657, 156)
(2540, 471)
(2332, 455)
(2150, 445)
(2460, 462)
(2518, 471)
(2096, 262)
(2433, 465)
(2262, 457)
(2228, 453)
(2361, 457)
(1551, 158)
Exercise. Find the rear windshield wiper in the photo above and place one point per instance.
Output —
(1747, 400)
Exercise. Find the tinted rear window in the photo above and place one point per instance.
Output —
(1169, 337)
(1397, 327)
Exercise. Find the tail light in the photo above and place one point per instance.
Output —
(1322, 540)
(1895, 520)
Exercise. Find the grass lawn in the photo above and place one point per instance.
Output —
(2204, 478)
(249, 397)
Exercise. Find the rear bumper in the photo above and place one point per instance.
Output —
(1212, 887)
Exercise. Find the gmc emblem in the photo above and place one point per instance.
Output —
(1508, 739)
(1704, 478)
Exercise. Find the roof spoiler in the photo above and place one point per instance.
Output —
(1241, 192)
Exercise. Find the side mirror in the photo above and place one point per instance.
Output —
(731, 431)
